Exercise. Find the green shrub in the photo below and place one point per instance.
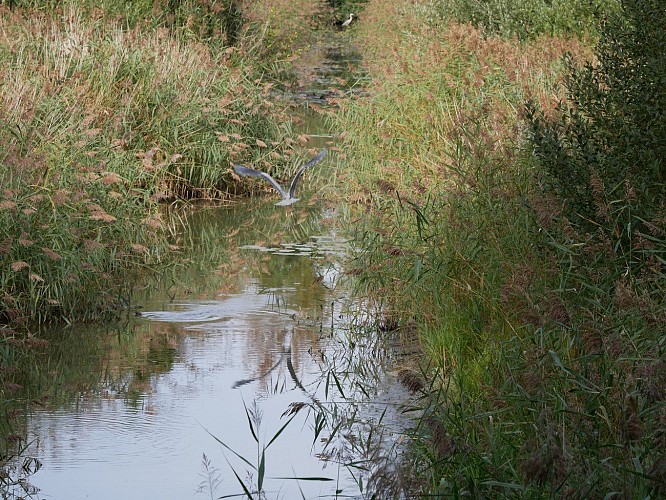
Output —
(606, 155)
(541, 314)
(527, 18)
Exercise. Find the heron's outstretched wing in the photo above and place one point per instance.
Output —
(241, 170)
(292, 188)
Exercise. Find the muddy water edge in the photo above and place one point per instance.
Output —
(250, 370)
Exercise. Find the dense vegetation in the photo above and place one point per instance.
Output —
(510, 161)
(106, 108)
(516, 221)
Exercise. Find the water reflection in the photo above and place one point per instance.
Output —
(327, 71)
(130, 412)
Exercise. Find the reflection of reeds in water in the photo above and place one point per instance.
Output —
(349, 354)
(350, 419)
(210, 239)
(117, 359)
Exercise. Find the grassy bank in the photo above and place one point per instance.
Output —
(523, 237)
(107, 109)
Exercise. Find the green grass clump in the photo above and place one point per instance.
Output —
(540, 311)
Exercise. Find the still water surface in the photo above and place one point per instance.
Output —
(259, 319)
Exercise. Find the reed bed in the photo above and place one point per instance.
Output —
(104, 116)
(109, 109)
(542, 328)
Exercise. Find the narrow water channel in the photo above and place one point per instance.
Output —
(249, 367)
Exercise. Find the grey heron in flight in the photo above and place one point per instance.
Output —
(287, 197)
(348, 21)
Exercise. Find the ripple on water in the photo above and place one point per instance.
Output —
(271, 344)
(316, 245)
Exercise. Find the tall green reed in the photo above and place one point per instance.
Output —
(526, 20)
(259, 467)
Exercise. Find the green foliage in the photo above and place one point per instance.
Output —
(527, 18)
(605, 159)
(67, 247)
(610, 144)
(541, 312)
(214, 22)
(451, 253)
(561, 414)
(254, 418)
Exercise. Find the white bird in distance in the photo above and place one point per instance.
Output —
(287, 197)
